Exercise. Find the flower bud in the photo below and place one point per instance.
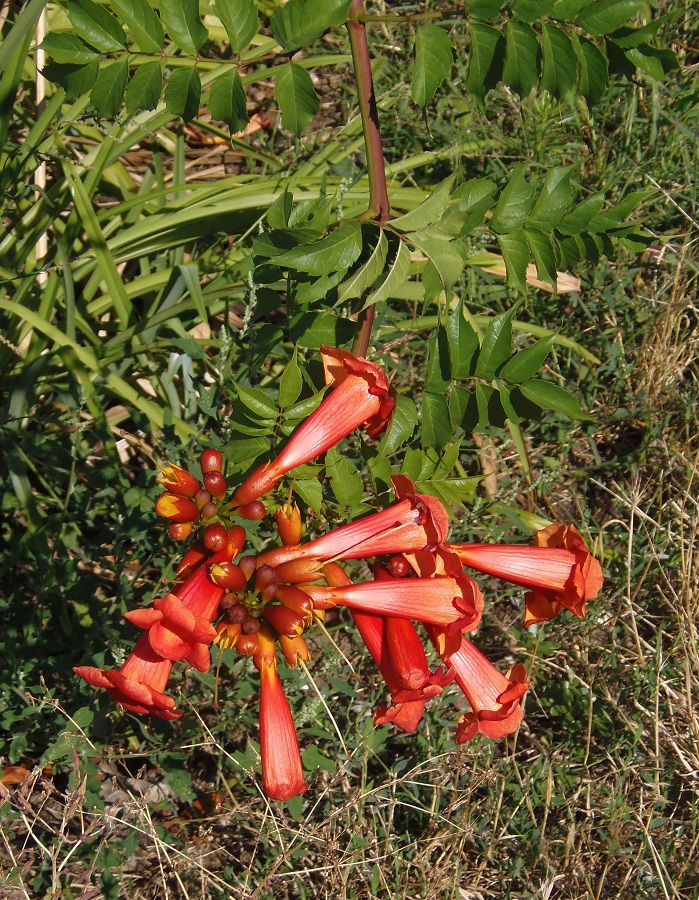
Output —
(180, 531)
(237, 613)
(264, 577)
(236, 539)
(227, 634)
(288, 518)
(253, 511)
(247, 644)
(176, 509)
(294, 649)
(335, 575)
(250, 625)
(229, 576)
(215, 537)
(211, 461)
(296, 599)
(247, 565)
(215, 484)
(192, 559)
(296, 571)
(209, 510)
(398, 566)
(201, 498)
(285, 620)
(178, 481)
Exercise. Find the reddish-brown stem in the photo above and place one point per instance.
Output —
(379, 208)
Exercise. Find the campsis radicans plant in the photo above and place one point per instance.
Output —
(261, 605)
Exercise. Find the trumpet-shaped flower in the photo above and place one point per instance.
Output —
(408, 525)
(494, 697)
(282, 772)
(139, 684)
(359, 396)
(559, 569)
(453, 604)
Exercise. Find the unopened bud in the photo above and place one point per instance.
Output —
(247, 565)
(215, 537)
(398, 566)
(285, 620)
(253, 511)
(176, 509)
(335, 575)
(250, 625)
(179, 481)
(296, 599)
(288, 519)
(265, 576)
(201, 498)
(215, 484)
(211, 461)
(247, 644)
(229, 576)
(237, 613)
(209, 510)
(296, 571)
(180, 531)
(294, 649)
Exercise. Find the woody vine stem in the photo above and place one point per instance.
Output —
(379, 208)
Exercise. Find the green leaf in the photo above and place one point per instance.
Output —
(107, 93)
(526, 363)
(544, 256)
(552, 201)
(515, 252)
(475, 199)
(463, 344)
(300, 22)
(483, 9)
(581, 215)
(448, 257)
(364, 277)
(394, 278)
(531, 10)
(437, 370)
(338, 250)
(293, 91)
(485, 59)
(345, 480)
(240, 451)
(434, 418)
(227, 101)
(616, 215)
(521, 69)
(307, 292)
(490, 409)
(257, 402)
(559, 68)
(310, 491)
(290, 383)
(145, 88)
(75, 80)
(428, 211)
(68, 48)
(594, 70)
(655, 63)
(605, 16)
(496, 348)
(96, 26)
(433, 62)
(311, 330)
(547, 395)
(183, 93)
(183, 24)
(401, 426)
(279, 212)
(515, 203)
(240, 19)
(567, 10)
(143, 24)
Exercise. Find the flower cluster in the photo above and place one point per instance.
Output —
(262, 605)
